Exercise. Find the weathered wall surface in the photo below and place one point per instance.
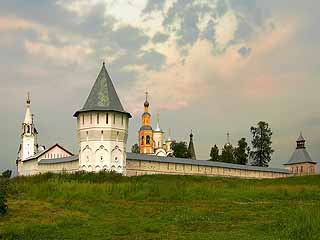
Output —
(302, 168)
(29, 167)
(138, 167)
(67, 167)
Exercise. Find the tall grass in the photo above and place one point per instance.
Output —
(161, 207)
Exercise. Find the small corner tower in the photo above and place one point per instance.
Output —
(145, 132)
(102, 127)
(191, 150)
(300, 162)
(29, 145)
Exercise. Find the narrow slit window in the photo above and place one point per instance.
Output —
(90, 118)
(82, 119)
(98, 118)
(107, 118)
(114, 118)
(122, 120)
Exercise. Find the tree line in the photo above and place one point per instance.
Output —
(258, 155)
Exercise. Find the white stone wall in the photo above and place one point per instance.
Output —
(102, 142)
(29, 167)
(67, 167)
(137, 168)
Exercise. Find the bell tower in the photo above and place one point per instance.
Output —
(146, 133)
(29, 144)
(29, 133)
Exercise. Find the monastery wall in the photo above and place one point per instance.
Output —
(142, 167)
(302, 168)
(29, 167)
(67, 167)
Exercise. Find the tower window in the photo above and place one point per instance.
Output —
(142, 140)
(114, 118)
(98, 118)
(122, 120)
(82, 119)
(90, 118)
(107, 118)
(148, 139)
(28, 129)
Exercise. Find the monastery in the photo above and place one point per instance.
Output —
(102, 131)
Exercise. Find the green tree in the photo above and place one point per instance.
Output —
(7, 173)
(180, 149)
(241, 152)
(261, 144)
(214, 153)
(227, 154)
(135, 148)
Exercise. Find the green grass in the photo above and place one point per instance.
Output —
(108, 206)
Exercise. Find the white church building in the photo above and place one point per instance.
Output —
(102, 132)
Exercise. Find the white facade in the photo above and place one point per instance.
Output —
(29, 145)
(102, 139)
(29, 134)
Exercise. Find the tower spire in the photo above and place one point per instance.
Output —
(158, 123)
(192, 153)
(228, 139)
(28, 115)
(28, 98)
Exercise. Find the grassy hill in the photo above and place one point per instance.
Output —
(108, 206)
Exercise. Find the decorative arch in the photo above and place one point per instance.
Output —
(86, 155)
(90, 168)
(116, 156)
(101, 154)
(161, 152)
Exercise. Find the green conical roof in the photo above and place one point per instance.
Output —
(103, 96)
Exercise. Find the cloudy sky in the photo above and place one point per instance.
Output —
(214, 66)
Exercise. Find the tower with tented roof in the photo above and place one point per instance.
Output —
(102, 127)
(300, 162)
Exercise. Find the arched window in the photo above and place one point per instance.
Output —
(142, 140)
(148, 139)
(301, 169)
(28, 129)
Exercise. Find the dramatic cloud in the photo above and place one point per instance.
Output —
(210, 65)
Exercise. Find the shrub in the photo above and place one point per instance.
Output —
(7, 173)
(3, 193)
